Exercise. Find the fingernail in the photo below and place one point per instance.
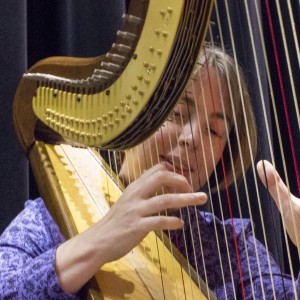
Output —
(202, 195)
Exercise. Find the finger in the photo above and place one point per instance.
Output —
(161, 223)
(273, 182)
(158, 176)
(172, 201)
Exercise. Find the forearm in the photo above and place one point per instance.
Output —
(78, 259)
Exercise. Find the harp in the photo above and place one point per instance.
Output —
(157, 69)
(50, 89)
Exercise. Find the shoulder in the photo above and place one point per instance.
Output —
(34, 225)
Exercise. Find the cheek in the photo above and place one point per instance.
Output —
(160, 141)
(207, 159)
(166, 137)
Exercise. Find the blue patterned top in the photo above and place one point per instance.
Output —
(28, 246)
(221, 267)
(27, 256)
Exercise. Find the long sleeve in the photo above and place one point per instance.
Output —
(27, 256)
(227, 261)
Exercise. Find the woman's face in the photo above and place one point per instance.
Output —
(192, 139)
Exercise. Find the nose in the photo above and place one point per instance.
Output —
(190, 135)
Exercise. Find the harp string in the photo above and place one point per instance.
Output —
(269, 139)
(287, 55)
(158, 159)
(193, 250)
(282, 89)
(206, 116)
(234, 180)
(209, 189)
(190, 176)
(178, 117)
(278, 130)
(252, 161)
(226, 188)
(296, 42)
(266, 124)
(284, 100)
(204, 120)
(130, 154)
(266, 118)
(241, 154)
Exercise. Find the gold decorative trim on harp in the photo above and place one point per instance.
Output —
(59, 91)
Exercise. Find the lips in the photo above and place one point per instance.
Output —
(174, 164)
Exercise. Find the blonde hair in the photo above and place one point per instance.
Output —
(235, 90)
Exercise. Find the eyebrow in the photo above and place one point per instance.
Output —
(185, 98)
(191, 102)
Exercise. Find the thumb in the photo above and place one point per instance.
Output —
(272, 181)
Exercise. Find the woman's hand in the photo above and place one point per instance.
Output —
(288, 204)
(136, 213)
(129, 220)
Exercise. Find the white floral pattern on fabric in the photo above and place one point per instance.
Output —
(27, 256)
(212, 232)
(28, 246)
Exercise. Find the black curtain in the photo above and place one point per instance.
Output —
(13, 62)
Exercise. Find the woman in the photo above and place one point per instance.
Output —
(196, 146)
(208, 124)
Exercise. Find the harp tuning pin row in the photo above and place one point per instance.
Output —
(162, 12)
(128, 109)
(117, 58)
(164, 33)
(132, 19)
(159, 51)
(151, 49)
(170, 10)
(127, 35)
(122, 48)
(157, 32)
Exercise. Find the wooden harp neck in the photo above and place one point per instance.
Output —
(117, 100)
